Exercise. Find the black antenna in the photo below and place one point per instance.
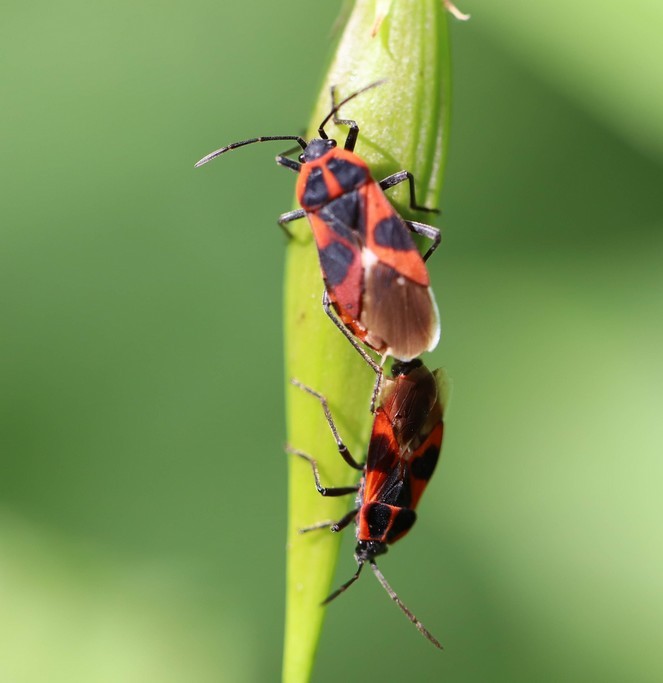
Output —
(392, 594)
(336, 107)
(344, 587)
(213, 155)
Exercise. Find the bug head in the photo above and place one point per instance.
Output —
(317, 148)
(367, 550)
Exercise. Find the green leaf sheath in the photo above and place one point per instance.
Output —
(403, 125)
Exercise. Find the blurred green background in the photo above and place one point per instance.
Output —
(142, 487)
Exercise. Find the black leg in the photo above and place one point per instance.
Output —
(351, 140)
(426, 231)
(333, 492)
(327, 524)
(333, 526)
(326, 304)
(345, 520)
(399, 177)
(353, 133)
(288, 217)
(288, 163)
(342, 448)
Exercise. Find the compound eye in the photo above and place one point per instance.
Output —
(331, 143)
(301, 158)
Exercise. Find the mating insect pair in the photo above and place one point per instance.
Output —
(377, 291)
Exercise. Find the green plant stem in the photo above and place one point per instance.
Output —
(403, 125)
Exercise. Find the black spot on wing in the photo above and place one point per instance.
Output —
(393, 233)
(315, 191)
(377, 518)
(345, 215)
(349, 175)
(424, 466)
(402, 522)
(335, 261)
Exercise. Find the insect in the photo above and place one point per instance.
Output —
(402, 455)
(375, 278)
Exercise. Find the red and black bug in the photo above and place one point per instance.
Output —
(375, 278)
(402, 455)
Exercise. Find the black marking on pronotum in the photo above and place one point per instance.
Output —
(393, 233)
(336, 260)
(377, 517)
(315, 193)
(350, 176)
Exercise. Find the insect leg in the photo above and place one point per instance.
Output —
(342, 448)
(289, 216)
(351, 140)
(326, 304)
(293, 165)
(345, 520)
(334, 526)
(426, 231)
(353, 133)
(322, 490)
(400, 177)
